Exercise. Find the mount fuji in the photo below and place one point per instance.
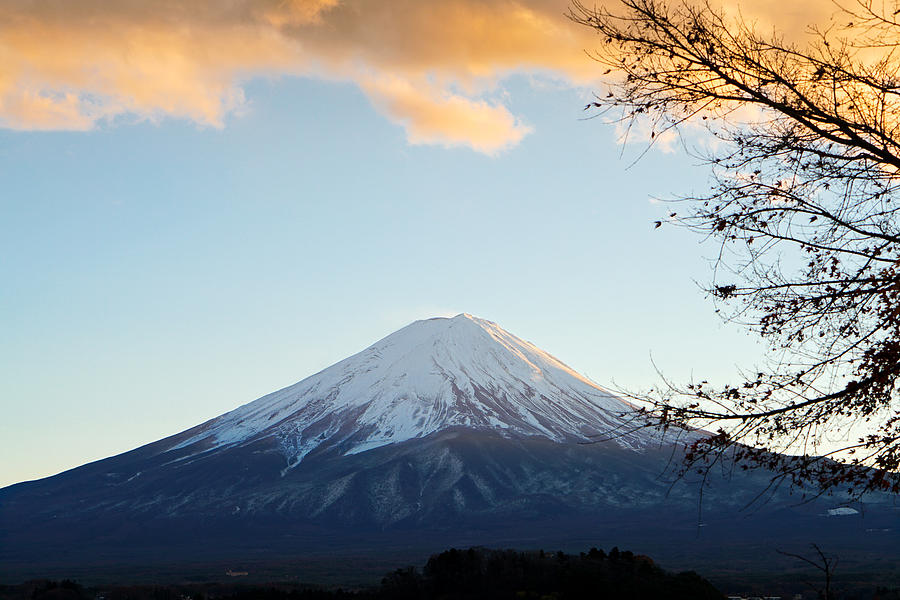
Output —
(430, 376)
(448, 431)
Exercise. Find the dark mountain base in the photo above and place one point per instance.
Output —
(452, 574)
(725, 550)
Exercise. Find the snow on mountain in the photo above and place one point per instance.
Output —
(431, 375)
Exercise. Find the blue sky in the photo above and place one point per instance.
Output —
(157, 275)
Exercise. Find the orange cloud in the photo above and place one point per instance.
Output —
(434, 116)
(425, 64)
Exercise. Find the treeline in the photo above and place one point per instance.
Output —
(488, 574)
(472, 574)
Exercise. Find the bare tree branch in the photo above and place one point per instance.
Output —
(804, 150)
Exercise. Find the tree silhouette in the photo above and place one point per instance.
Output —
(822, 562)
(803, 143)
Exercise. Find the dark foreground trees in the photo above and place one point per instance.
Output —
(479, 573)
(803, 142)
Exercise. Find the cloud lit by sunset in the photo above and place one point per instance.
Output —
(426, 65)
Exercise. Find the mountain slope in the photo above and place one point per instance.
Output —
(449, 431)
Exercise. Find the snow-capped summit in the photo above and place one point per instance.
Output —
(429, 376)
